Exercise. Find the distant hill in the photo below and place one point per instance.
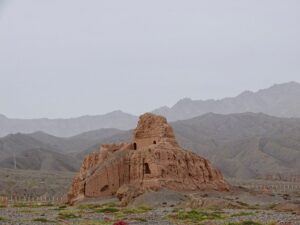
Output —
(18, 143)
(246, 145)
(67, 127)
(75, 143)
(30, 153)
(41, 159)
(124, 136)
(280, 100)
(41, 151)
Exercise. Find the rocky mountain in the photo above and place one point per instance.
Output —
(41, 159)
(32, 151)
(245, 145)
(18, 143)
(27, 152)
(122, 136)
(77, 143)
(280, 100)
(67, 127)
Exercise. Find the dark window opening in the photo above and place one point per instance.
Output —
(134, 146)
(154, 142)
(84, 188)
(104, 188)
(147, 168)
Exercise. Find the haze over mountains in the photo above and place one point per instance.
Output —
(67, 127)
(280, 100)
(243, 145)
(30, 153)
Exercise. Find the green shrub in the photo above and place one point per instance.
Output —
(250, 223)
(21, 205)
(89, 206)
(140, 219)
(62, 207)
(139, 210)
(96, 206)
(243, 214)
(43, 220)
(107, 210)
(196, 216)
(2, 219)
(245, 223)
(68, 215)
(32, 205)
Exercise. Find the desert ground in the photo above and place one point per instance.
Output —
(40, 200)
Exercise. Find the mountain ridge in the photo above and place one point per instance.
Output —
(67, 127)
(279, 100)
(269, 101)
(242, 145)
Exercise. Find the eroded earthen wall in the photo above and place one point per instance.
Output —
(157, 162)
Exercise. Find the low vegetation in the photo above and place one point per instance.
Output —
(2, 219)
(42, 220)
(68, 214)
(125, 212)
(112, 214)
(107, 210)
(32, 204)
(245, 223)
(96, 206)
(243, 214)
(196, 216)
(138, 210)
(62, 207)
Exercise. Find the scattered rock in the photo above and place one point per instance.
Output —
(289, 207)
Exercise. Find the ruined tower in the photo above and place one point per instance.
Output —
(152, 160)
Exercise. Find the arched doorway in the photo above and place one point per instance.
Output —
(147, 168)
(134, 146)
(154, 142)
(84, 188)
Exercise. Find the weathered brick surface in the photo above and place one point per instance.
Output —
(152, 161)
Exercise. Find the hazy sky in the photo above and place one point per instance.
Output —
(63, 58)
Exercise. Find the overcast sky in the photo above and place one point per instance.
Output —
(66, 58)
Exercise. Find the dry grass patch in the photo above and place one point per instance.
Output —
(246, 223)
(42, 220)
(3, 219)
(196, 216)
(240, 214)
(68, 214)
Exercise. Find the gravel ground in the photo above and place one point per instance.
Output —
(159, 216)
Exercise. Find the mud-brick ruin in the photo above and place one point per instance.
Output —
(153, 160)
